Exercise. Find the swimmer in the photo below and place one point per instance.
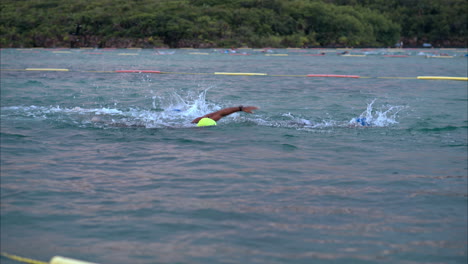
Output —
(361, 121)
(211, 118)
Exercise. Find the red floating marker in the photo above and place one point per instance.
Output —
(137, 71)
(332, 75)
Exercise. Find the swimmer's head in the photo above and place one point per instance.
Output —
(206, 122)
(362, 121)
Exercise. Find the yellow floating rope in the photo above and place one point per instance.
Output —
(245, 74)
(22, 259)
(54, 260)
(443, 78)
(62, 260)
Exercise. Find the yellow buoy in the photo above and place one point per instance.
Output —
(442, 78)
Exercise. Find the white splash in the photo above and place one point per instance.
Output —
(383, 117)
(175, 110)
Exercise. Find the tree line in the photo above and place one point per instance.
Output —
(234, 23)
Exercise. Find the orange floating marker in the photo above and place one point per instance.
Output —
(333, 75)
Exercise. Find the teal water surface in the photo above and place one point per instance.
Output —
(106, 167)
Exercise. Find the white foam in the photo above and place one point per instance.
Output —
(178, 109)
(385, 116)
(175, 110)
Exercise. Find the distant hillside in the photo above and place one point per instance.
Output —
(234, 23)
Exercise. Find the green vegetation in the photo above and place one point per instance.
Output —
(234, 23)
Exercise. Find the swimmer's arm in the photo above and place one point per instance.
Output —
(225, 112)
(196, 120)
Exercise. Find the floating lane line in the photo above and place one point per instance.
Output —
(240, 73)
(13, 69)
(22, 259)
(45, 69)
(352, 55)
(285, 75)
(439, 57)
(54, 260)
(100, 71)
(403, 78)
(396, 56)
(247, 74)
(333, 76)
(276, 54)
(189, 73)
(442, 78)
(128, 54)
(137, 71)
(62, 260)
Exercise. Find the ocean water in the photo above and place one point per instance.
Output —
(106, 167)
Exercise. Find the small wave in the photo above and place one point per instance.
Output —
(383, 117)
(176, 110)
(34, 83)
(441, 129)
(173, 110)
(5, 135)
